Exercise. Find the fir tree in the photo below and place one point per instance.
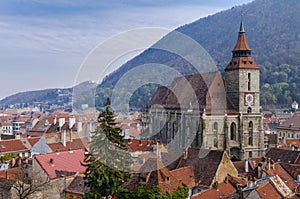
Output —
(108, 161)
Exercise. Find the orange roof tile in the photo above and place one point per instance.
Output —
(139, 145)
(64, 161)
(223, 190)
(8, 146)
(283, 174)
(185, 175)
(267, 191)
(71, 145)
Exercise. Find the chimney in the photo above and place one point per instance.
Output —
(269, 164)
(72, 121)
(272, 165)
(246, 166)
(61, 122)
(140, 143)
(55, 120)
(79, 126)
(63, 138)
(52, 161)
(18, 135)
(259, 170)
(298, 178)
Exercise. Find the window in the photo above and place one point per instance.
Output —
(249, 81)
(250, 154)
(215, 131)
(249, 110)
(250, 129)
(233, 131)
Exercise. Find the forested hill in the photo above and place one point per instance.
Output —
(273, 32)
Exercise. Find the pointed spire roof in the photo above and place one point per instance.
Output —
(241, 54)
(241, 43)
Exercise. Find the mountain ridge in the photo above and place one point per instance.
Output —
(273, 32)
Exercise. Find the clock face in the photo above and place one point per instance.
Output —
(249, 99)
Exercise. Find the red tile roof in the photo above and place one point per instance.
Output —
(223, 190)
(63, 161)
(33, 141)
(11, 173)
(293, 142)
(283, 174)
(71, 145)
(293, 123)
(33, 133)
(185, 175)
(7, 146)
(139, 145)
(267, 191)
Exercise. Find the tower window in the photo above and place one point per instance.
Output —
(249, 110)
(250, 129)
(233, 131)
(215, 131)
(249, 81)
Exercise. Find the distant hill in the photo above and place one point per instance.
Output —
(49, 97)
(273, 33)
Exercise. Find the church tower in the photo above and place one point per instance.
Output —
(242, 77)
(242, 88)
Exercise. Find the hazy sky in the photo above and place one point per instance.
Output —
(44, 42)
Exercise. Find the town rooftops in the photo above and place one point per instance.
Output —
(134, 145)
(9, 146)
(77, 186)
(267, 190)
(283, 174)
(281, 155)
(69, 161)
(222, 190)
(70, 145)
(292, 123)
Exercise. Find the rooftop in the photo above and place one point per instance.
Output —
(64, 161)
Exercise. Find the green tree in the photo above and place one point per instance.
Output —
(107, 163)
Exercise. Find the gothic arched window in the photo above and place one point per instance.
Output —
(250, 129)
(233, 131)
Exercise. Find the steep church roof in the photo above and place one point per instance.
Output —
(241, 54)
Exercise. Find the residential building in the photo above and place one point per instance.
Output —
(290, 128)
(60, 168)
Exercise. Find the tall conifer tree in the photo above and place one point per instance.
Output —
(108, 161)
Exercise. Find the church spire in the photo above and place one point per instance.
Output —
(241, 48)
(242, 28)
(241, 54)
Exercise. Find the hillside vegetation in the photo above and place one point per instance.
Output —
(273, 32)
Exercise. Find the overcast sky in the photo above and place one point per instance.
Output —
(44, 42)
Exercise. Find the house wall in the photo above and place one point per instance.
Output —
(226, 167)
